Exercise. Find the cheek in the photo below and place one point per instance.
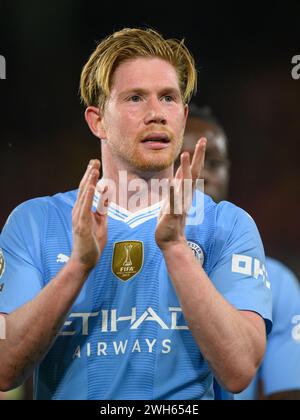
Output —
(128, 121)
(178, 127)
(220, 176)
(117, 125)
(181, 119)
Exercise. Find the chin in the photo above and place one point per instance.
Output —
(153, 165)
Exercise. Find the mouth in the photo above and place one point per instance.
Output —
(156, 141)
(156, 137)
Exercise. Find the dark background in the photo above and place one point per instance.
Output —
(243, 54)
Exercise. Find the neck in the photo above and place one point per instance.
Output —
(133, 189)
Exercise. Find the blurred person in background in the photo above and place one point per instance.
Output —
(279, 374)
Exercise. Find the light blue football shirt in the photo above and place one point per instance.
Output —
(280, 369)
(125, 336)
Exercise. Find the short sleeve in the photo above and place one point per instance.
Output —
(280, 369)
(238, 269)
(21, 275)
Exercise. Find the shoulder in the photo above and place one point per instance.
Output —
(232, 223)
(225, 230)
(43, 204)
(223, 223)
(227, 213)
(36, 211)
(206, 210)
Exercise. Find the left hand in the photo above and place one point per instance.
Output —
(170, 228)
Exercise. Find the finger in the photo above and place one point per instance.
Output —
(102, 223)
(178, 173)
(165, 208)
(86, 200)
(186, 166)
(172, 199)
(186, 187)
(82, 189)
(198, 159)
(85, 210)
(176, 196)
(182, 171)
(93, 164)
(103, 203)
(92, 179)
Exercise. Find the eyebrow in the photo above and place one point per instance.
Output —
(142, 91)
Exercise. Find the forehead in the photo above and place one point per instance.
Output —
(144, 72)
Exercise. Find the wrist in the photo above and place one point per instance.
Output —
(175, 247)
(78, 267)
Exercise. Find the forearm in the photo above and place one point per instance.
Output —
(229, 342)
(32, 329)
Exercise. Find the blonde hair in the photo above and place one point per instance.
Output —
(96, 76)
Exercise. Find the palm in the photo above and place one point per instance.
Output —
(89, 228)
(171, 222)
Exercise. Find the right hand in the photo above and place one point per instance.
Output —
(89, 228)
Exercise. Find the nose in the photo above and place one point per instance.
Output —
(155, 115)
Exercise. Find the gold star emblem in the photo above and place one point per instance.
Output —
(128, 259)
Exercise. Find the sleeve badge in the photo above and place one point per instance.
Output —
(2, 263)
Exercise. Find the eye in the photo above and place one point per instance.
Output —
(168, 98)
(134, 98)
(215, 163)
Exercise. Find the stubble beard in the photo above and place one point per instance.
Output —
(148, 162)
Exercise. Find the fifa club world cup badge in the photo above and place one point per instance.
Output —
(2, 263)
(128, 259)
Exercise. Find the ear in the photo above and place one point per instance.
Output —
(186, 111)
(94, 119)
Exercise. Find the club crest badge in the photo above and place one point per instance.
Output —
(128, 259)
(2, 263)
(198, 251)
